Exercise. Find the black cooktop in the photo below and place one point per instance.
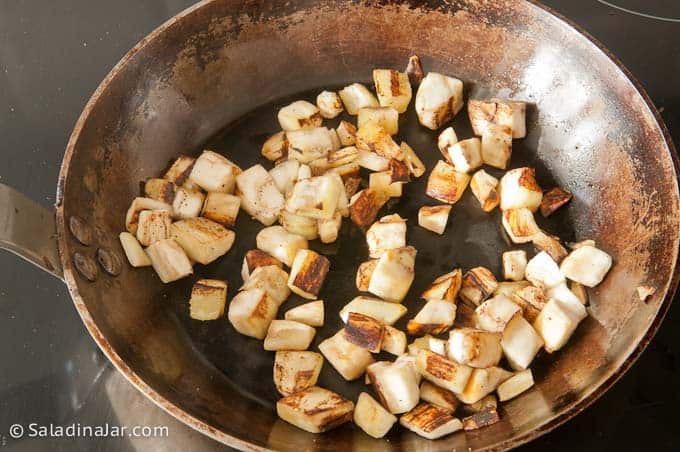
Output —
(52, 57)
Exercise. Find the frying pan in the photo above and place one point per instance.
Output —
(214, 76)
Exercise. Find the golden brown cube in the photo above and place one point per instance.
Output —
(393, 88)
(445, 287)
(434, 218)
(179, 171)
(308, 273)
(430, 421)
(365, 205)
(372, 137)
(221, 208)
(208, 297)
(160, 189)
(257, 258)
(315, 409)
(169, 260)
(441, 397)
(443, 372)
(251, 312)
(288, 335)
(371, 417)
(137, 206)
(203, 240)
(311, 313)
(295, 371)
(445, 184)
(154, 225)
(364, 331)
(348, 359)
(478, 284)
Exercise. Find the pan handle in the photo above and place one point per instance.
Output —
(28, 230)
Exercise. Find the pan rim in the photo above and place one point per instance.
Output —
(550, 424)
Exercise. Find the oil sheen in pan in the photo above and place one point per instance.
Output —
(472, 238)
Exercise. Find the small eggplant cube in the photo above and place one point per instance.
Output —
(445, 140)
(348, 359)
(484, 113)
(364, 274)
(520, 343)
(346, 133)
(316, 197)
(221, 208)
(385, 117)
(343, 156)
(179, 171)
(315, 409)
(372, 137)
(365, 205)
(382, 181)
(203, 240)
(160, 189)
(329, 104)
(285, 175)
(272, 279)
(288, 335)
(434, 218)
(551, 245)
(254, 259)
(430, 421)
(481, 383)
(187, 203)
(299, 115)
(427, 342)
(515, 385)
(531, 299)
(372, 161)
(251, 312)
(214, 172)
(586, 265)
(308, 273)
(465, 156)
(387, 233)
(275, 147)
(497, 146)
(208, 297)
(514, 264)
(260, 197)
(393, 89)
(483, 186)
(393, 274)
(443, 372)
(307, 145)
(518, 188)
(438, 99)
(154, 225)
(295, 371)
(557, 322)
(441, 397)
(495, 313)
(474, 348)
(169, 260)
(394, 341)
(436, 317)
(311, 313)
(445, 287)
(364, 331)
(553, 199)
(371, 417)
(138, 205)
(133, 250)
(478, 284)
(385, 312)
(542, 271)
(356, 96)
(415, 166)
(520, 225)
(329, 229)
(445, 184)
(297, 224)
(396, 385)
(281, 244)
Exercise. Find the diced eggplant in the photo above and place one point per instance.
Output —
(520, 343)
(311, 313)
(169, 260)
(316, 197)
(508, 288)
(474, 348)
(434, 218)
(484, 187)
(221, 208)
(288, 335)
(179, 171)
(481, 383)
(285, 175)
(307, 145)
(520, 225)
(329, 104)
(430, 421)
(160, 189)
(542, 271)
(436, 317)
(387, 233)
(553, 199)
(315, 409)
(275, 147)
(393, 88)
(514, 264)
(214, 172)
(531, 299)
(518, 188)
(348, 359)
(308, 273)
(465, 155)
(256, 258)
(299, 115)
(371, 417)
(364, 331)
(478, 284)
(393, 274)
(260, 197)
(481, 419)
(496, 146)
(281, 244)
(153, 225)
(385, 117)
(372, 137)
(495, 313)
(445, 287)
(208, 297)
(505, 113)
(438, 99)
(557, 322)
(329, 229)
(295, 371)
(272, 279)
(347, 133)
(443, 372)
(133, 250)
(365, 205)
(415, 166)
(515, 385)
(441, 397)
(396, 385)
(445, 184)
(297, 224)
(394, 341)
(203, 240)
(188, 203)
(138, 205)
(385, 312)
(586, 265)
(251, 312)
(364, 273)
(356, 96)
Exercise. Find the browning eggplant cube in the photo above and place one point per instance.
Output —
(329, 104)
(495, 313)
(515, 385)
(514, 264)
(295, 371)
(372, 137)
(315, 409)
(308, 145)
(393, 88)
(385, 117)
(481, 383)
(272, 279)
(154, 225)
(396, 385)
(133, 250)
(187, 203)
(474, 348)
(311, 313)
(288, 335)
(531, 299)
(179, 171)
(434, 218)
(518, 188)
(316, 197)
(372, 161)
(483, 186)
(557, 322)
(221, 208)
(484, 113)
(520, 343)
(260, 197)
(364, 331)
(275, 147)
(436, 317)
(297, 224)
(281, 244)
(383, 181)
(254, 259)
(203, 240)
(542, 271)
(364, 273)
(357, 96)
(481, 419)
(393, 274)
(442, 372)
(441, 397)
(427, 342)
(208, 297)
(553, 199)
(385, 312)
(394, 341)
(371, 417)
(438, 99)
(169, 260)
(346, 133)
(520, 225)
(445, 287)
(365, 205)
(214, 172)
(285, 175)
(307, 274)
(348, 359)
(445, 184)
(387, 233)
(138, 205)
(478, 284)
(430, 421)
(466, 155)
(251, 312)
(329, 229)
(299, 115)
(497, 146)
(160, 189)
(586, 265)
